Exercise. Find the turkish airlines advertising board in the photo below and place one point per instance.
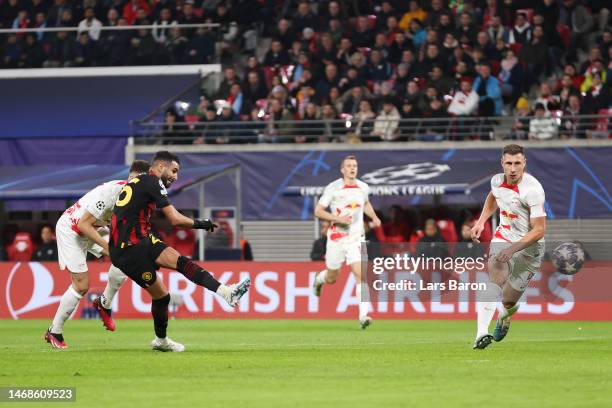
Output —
(283, 290)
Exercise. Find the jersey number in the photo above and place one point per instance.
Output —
(126, 197)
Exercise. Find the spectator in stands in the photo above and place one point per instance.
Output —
(317, 253)
(208, 126)
(32, 55)
(521, 31)
(572, 127)
(230, 131)
(175, 130)
(90, 24)
(345, 51)
(308, 129)
(497, 31)
(466, 248)
(432, 58)
(331, 79)
(47, 249)
(255, 89)
(598, 96)
(443, 84)
(465, 101)
(566, 89)
(131, 8)
(304, 17)
(162, 26)
(61, 52)
(277, 56)
(542, 126)
(229, 78)
(275, 131)
(85, 52)
(416, 33)
(326, 51)
(143, 49)
(363, 122)
(433, 15)
(580, 21)
(597, 67)
(335, 30)
(535, 55)
(353, 100)
(387, 122)
(188, 16)
(511, 77)
(547, 98)
(414, 11)
(201, 48)
(487, 87)
(12, 52)
(363, 36)
(467, 30)
(379, 70)
(396, 226)
(284, 33)
(432, 244)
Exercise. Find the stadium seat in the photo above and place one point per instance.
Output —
(22, 247)
(183, 240)
(447, 230)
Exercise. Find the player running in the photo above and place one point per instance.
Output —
(348, 200)
(139, 253)
(517, 248)
(78, 232)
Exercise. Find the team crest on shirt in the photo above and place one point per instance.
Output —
(147, 276)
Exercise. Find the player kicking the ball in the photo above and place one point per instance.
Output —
(517, 248)
(139, 253)
(347, 198)
(78, 232)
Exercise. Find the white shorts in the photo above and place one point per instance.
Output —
(72, 248)
(338, 252)
(523, 265)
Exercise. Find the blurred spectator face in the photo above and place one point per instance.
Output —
(412, 88)
(375, 57)
(326, 41)
(413, 6)
(311, 110)
(112, 15)
(84, 39)
(123, 22)
(303, 9)
(540, 112)
(594, 53)
(465, 19)
(544, 89)
(165, 14)
(61, 35)
(170, 118)
(466, 87)
(520, 20)
(30, 40)
(436, 73)
(538, 20)
(461, 68)
(402, 70)
(275, 106)
(331, 71)
(436, 5)
(276, 47)
(253, 79)
(431, 92)
(211, 114)
(432, 51)
(407, 57)
(430, 228)
(230, 74)
(357, 92)
(67, 15)
(365, 107)
(46, 235)
(40, 19)
(466, 233)
(334, 25)
(283, 25)
(235, 90)
(226, 112)
(392, 23)
(89, 14)
(566, 81)
(549, 2)
(187, 9)
(386, 7)
(12, 38)
(574, 103)
(345, 44)
(357, 59)
(509, 54)
(400, 38)
(252, 62)
(23, 15)
(407, 107)
(570, 70)
(414, 25)
(388, 107)
(334, 94)
(495, 22)
(449, 40)
(324, 226)
(485, 71)
(333, 8)
(482, 38)
(362, 23)
(445, 20)
(596, 79)
(296, 48)
(380, 41)
(328, 111)
(432, 36)
(538, 32)
(221, 9)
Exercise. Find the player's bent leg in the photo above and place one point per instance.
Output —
(104, 303)
(486, 306)
(68, 304)
(328, 276)
(170, 258)
(159, 310)
(510, 299)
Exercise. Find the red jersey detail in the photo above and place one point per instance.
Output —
(500, 236)
(133, 238)
(122, 183)
(337, 235)
(513, 187)
(347, 186)
(142, 221)
(510, 215)
(74, 225)
(114, 228)
(505, 226)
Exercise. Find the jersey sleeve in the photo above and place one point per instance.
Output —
(535, 201)
(327, 197)
(98, 204)
(158, 193)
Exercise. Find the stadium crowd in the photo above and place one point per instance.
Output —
(347, 70)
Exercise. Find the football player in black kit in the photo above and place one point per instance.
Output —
(138, 253)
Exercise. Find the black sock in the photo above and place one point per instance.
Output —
(197, 275)
(159, 310)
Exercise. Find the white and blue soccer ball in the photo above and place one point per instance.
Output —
(568, 258)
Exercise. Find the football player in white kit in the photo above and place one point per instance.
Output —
(517, 248)
(348, 200)
(78, 232)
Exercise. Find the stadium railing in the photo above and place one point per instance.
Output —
(350, 130)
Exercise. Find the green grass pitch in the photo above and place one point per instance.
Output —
(248, 363)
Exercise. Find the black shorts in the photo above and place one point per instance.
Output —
(138, 261)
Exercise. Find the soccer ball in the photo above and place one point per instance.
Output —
(568, 258)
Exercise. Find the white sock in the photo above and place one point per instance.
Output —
(321, 277)
(486, 307)
(509, 312)
(224, 291)
(115, 280)
(69, 302)
(363, 306)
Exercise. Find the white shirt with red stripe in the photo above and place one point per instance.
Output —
(346, 200)
(99, 202)
(517, 204)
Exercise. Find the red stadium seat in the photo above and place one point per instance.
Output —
(516, 48)
(372, 21)
(183, 240)
(447, 230)
(22, 247)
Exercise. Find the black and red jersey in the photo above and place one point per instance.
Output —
(131, 217)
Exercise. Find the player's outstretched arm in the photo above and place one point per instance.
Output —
(369, 211)
(87, 227)
(488, 209)
(179, 220)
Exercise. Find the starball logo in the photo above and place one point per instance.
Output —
(29, 275)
